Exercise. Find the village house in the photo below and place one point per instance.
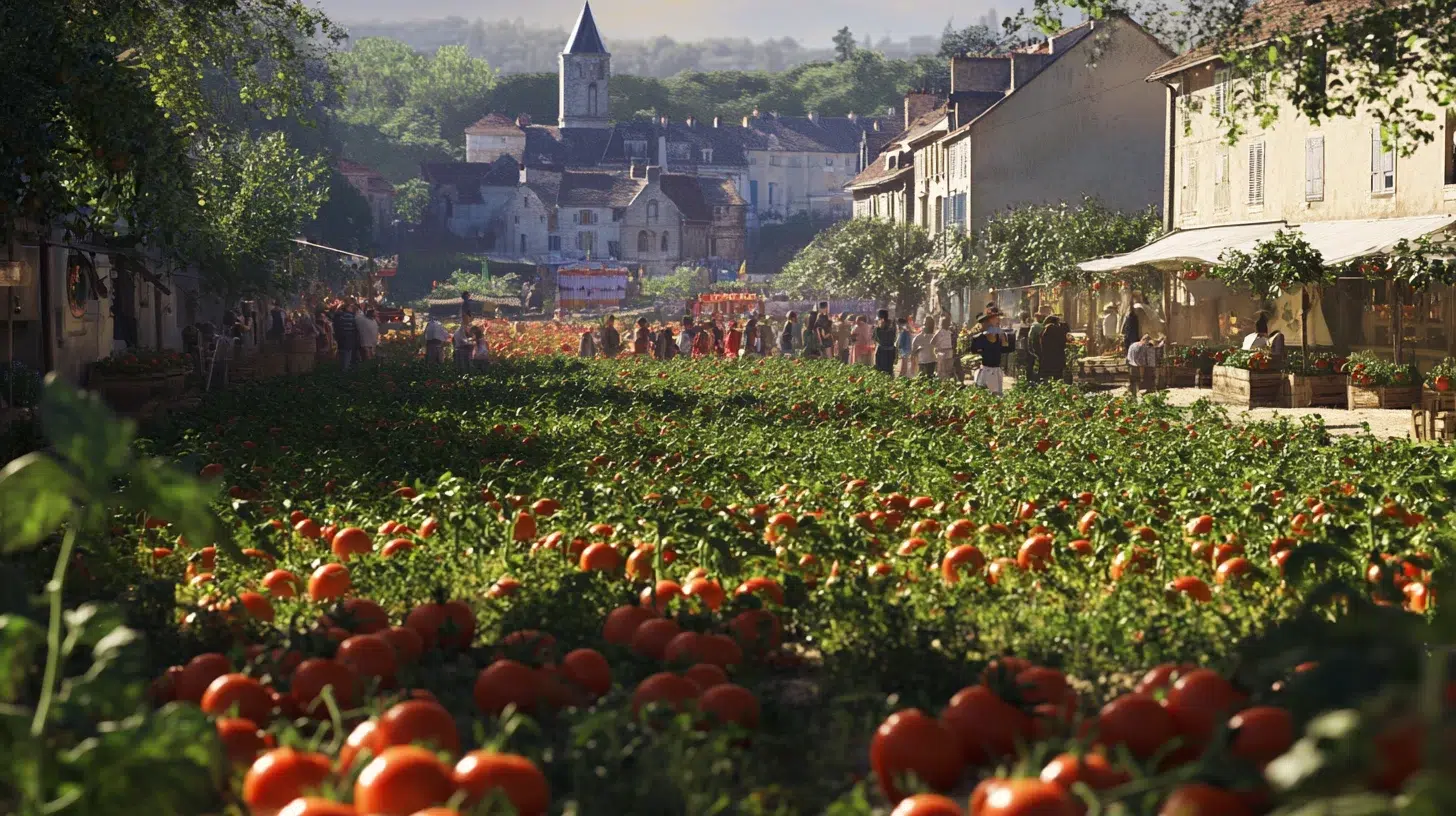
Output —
(376, 190)
(1347, 190)
(1040, 125)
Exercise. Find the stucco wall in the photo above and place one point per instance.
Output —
(528, 217)
(603, 228)
(1076, 130)
(486, 148)
(668, 220)
(803, 181)
(1420, 187)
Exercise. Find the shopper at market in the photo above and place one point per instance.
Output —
(703, 343)
(843, 334)
(885, 336)
(1033, 346)
(1054, 350)
(462, 343)
(666, 344)
(903, 340)
(733, 340)
(479, 351)
(611, 338)
(686, 336)
(813, 339)
(642, 339)
(923, 347)
(1142, 365)
(368, 334)
(1107, 328)
(943, 342)
(992, 344)
(1132, 326)
(789, 341)
(435, 339)
(587, 348)
(863, 338)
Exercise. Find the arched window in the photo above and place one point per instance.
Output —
(664, 242)
(652, 211)
(644, 241)
(591, 99)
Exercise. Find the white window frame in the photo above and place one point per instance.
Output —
(1220, 91)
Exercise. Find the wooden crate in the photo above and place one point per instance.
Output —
(1383, 396)
(1180, 376)
(1110, 370)
(1246, 388)
(1317, 391)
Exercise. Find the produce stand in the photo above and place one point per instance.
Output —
(1248, 388)
(1106, 370)
(728, 304)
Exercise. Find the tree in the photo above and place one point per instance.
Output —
(1044, 243)
(103, 116)
(1326, 60)
(844, 45)
(411, 200)
(971, 40)
(1281, 264)
(867, 258)
(684, 283)
(344, 221)
(255, 195)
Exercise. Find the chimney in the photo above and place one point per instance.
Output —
(984, 74)
(890, 112)
(717, 121)
(523, 175)
(1026, 66)
(853, 117)
(523, 120)
(917, 104)
(661, 152)
(637, 170)
(814, 117)
(692, 121)
(653, 174)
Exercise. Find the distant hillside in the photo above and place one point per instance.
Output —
(515, 48)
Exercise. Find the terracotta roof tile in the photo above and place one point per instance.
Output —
(494, 123)
(598, 188)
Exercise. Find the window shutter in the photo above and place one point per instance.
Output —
(1256, 174)
(1314, 168)
(1375, 161)
(1220, 91)
(1387, 169)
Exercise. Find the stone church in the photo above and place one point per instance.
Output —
(575, 190)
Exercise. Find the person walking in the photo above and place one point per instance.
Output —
(943, 341)
(991, 343)
(903, 340)
(611, 338)
(368, 329)
(924, 350)
(1054, 350)
(1109, 337)
(1131, 327)
(752, 338)
(789, 335)
(885, 336)
(1033, 345)
(479, 351)
(733, 341)
(461, 343)
(862, 342)
(686, 336)
(587, 346)
(666, 345)
(843, 333)
(813, 346)
(1142, 365)
(346, 335)
(277, 324)
(1023, 346)
(642, 339)
(435, 339)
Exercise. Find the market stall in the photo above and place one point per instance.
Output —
(728, 304)
(591, 287)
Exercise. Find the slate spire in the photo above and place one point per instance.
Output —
(584, 38)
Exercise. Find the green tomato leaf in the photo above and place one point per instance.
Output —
(36, 495)
(85, 432)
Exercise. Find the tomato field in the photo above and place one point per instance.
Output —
(761, 587)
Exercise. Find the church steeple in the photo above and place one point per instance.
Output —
(586, 68)
(584, 37)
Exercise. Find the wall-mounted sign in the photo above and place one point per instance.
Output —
(14, 273)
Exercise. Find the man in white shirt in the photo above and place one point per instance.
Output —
(1255, 340)
(435, 339)
(1142, 365)
(1111, 339)
(368, 329)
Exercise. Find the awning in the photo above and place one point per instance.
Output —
(1337, 241)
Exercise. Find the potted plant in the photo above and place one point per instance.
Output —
(1284, 263)
(1377, 383)
(1442, 377)
(1316, 381)
(1247, 378)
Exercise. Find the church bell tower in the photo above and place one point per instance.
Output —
(586, 69)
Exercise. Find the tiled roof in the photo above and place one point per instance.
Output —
(720, 192)
(494, 123)
(799, 134)
(377, 184)
(353, 168)
(546, 185)
(923, 126)
(584, 38)
(876, 141)
(687, 194)
(1269, 17)
(726, 142)
(877, 173)
(598, 188)
(468, 177)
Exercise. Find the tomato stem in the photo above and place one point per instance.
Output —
(53, 632)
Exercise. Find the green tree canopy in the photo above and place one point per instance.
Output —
(867, 258)
(971, 40)
(844, 45)
(1044, 243)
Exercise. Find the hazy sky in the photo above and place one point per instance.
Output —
(812, 23)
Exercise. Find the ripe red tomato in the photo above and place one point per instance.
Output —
(402, 781)
(909, 742)
(282, 775)
(482, 773)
